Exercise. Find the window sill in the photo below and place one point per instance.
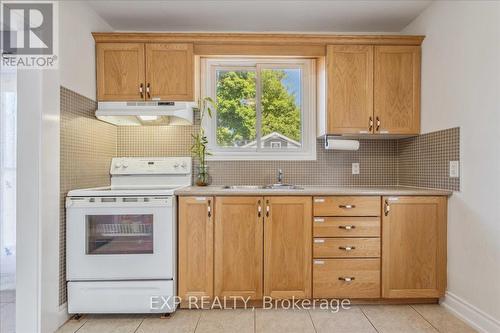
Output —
(271, 156)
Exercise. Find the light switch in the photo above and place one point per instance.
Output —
(355, 168)
(454, 169)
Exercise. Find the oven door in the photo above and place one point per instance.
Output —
(120, 238)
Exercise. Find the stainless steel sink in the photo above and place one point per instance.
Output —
(260, 187)
(283, 187)
(243, 187)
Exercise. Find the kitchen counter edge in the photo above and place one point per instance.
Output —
(313, 191)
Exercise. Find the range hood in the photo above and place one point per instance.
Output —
(146, 113)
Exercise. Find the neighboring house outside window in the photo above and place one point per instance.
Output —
(265, 108)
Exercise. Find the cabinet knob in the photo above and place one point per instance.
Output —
(370, 124)
(377, 127)
(347, 248)
(148, 90)
(346, 278)
(141, 90)
(259, 210)
(347, 227)
(347, 206)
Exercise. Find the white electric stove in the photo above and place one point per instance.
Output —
(121, 240)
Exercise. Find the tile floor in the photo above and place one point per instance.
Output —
(358, 319)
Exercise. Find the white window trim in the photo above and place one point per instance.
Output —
(308, 109)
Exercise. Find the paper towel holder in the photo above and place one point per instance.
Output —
(338, 143)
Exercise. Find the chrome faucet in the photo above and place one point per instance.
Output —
(280, 176)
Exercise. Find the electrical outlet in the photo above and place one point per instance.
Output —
(454, 169)
(355, 168)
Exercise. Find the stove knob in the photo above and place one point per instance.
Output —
(125, 165)
(176, 165)
(118, 165)
(184, 165)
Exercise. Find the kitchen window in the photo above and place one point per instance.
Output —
(265, 108)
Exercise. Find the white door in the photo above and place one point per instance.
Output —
(120, 238)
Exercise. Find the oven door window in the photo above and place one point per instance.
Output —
(119, 234)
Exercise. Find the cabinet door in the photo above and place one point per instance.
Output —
(169, 72)
(238, 247)
(414, 247)
(195, 247)
(287, 247)
(350, 89)
(397, 89)
(120, 72)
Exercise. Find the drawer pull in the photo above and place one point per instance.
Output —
(319, 241)
(319, 220)
(319, 200)
(346, 278)
(319, 262)
(347, 227)
(347, 206)
(347, 248)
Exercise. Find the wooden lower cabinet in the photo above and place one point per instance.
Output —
(346, 278)
(346, 227)
(287, 247)
(256, 246)
(414, 247)
(238, 247)
(347, 206)
(346, 247)
(196, 247)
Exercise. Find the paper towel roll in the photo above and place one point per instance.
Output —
(341, 144)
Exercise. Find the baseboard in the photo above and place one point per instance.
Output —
(478, 319)
(62, 315)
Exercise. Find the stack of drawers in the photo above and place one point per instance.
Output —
(346, 247)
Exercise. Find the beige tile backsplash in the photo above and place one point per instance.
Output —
(87, 146)
(424, 160)
(417, 161)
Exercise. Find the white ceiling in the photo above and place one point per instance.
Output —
(260, 15)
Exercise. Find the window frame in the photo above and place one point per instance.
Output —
(208, 67)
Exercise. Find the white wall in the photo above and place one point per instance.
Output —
(76, 46)
(38, 171)
(461, 87)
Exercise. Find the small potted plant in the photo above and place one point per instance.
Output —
(200, 141)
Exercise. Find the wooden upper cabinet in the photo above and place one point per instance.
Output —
(239, 247)
(287, 247)
(397, 89)
(196, 247)
(349, 89)
(138, 71)
(414, 247)
(169, 72)
(120, 71)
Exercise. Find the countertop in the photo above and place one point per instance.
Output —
(313, 190)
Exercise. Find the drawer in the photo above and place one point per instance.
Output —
(347, 206)
(346, 247)
(346, 278)
(346, 227)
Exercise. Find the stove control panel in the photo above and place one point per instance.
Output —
(150, 165)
